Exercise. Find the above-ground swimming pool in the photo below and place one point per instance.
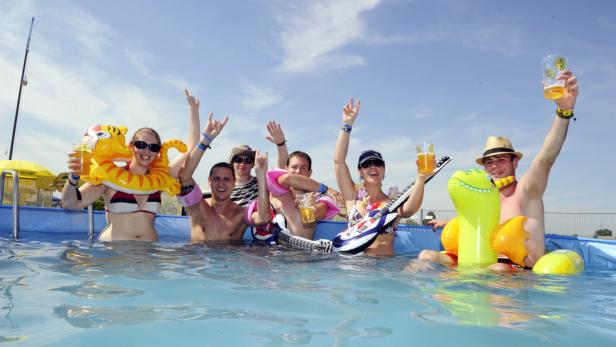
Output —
(59, 289)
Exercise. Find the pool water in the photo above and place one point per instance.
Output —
(162, 294)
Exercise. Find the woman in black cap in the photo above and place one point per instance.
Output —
(369, 196)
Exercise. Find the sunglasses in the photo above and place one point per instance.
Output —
(240, 160)
(372, 162)
(154, 147)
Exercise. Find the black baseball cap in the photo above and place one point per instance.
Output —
(367, 155)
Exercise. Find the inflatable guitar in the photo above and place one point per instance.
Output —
(283, 234)
(361, 235)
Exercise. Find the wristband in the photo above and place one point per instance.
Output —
(207, 137)
(73, 178)
(346, 128)
(282, 143)
(193, 197)
(323, 188)
(203, 146)
(565, 114)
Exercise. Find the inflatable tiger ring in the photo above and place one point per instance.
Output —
(109, 145)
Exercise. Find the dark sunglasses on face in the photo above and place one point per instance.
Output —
(154, 147)
(372, 162)
(239, 160)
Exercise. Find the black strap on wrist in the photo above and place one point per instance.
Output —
(282, 143)
(565, 114)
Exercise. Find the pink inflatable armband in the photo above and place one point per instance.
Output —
(248, 210)
(273, 186)
(192, 198)
(332, 208)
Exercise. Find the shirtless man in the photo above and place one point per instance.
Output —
(524, 197)
(219, 218)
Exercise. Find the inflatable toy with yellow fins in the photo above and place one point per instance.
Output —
(476, 237)
(109, 145)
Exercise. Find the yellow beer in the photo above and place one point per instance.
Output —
(425, 162)
(553, 92)
(84, 153)
(307, 213)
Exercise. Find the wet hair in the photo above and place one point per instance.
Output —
(301, 155)
(225, 165)
(149, 131)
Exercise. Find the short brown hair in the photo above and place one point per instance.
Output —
(225, 165)
(301, 155)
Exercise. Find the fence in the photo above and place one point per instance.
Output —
(29, 193)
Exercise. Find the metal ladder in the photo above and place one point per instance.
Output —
(15, 175)
(15, 204)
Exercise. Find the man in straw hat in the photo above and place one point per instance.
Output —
(523, 197)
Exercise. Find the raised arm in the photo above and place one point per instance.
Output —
(343, 175)
(211, 131)
(307, 184)
(276, 136)
(536, 179)
(413, 204)
(193, 132)
(74, 197)
(263, 214)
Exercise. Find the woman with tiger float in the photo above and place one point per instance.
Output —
(130, 216)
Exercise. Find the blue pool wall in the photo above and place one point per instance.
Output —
(57, 225)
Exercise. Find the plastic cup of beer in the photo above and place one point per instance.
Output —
(83, 151)
(306, 209)
(425, 157)
(553, 65)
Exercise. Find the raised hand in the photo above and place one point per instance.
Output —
(276, 135)
(437, 224)
(214, 127)
(336, 196)
(350, 111)
(193, 101)
(567, 101)
(260, 162)
(74, 163)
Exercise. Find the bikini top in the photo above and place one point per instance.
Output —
(362, 198)
(127, 203)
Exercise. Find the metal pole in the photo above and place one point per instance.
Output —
(15, 175)
(22, 82)
(15, 205)
(90, 222)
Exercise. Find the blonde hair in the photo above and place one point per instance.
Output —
(149, 131)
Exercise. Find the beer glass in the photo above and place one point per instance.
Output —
(306, 209)
(425, 157)
(83, 151)
(553, 65)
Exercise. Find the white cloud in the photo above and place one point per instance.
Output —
(137, 58)
(257, 98)
(73, 84)
(422, 112)
(310, 36)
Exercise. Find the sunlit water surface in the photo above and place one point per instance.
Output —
(78, 294)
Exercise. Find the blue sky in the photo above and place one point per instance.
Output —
(452, 72)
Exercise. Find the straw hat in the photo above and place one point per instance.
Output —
(496, 145)
(242, 150)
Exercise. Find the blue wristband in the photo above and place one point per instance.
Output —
(202, 146)
(322, 188)
(207, 137)
(346, 128)
(73, 179)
